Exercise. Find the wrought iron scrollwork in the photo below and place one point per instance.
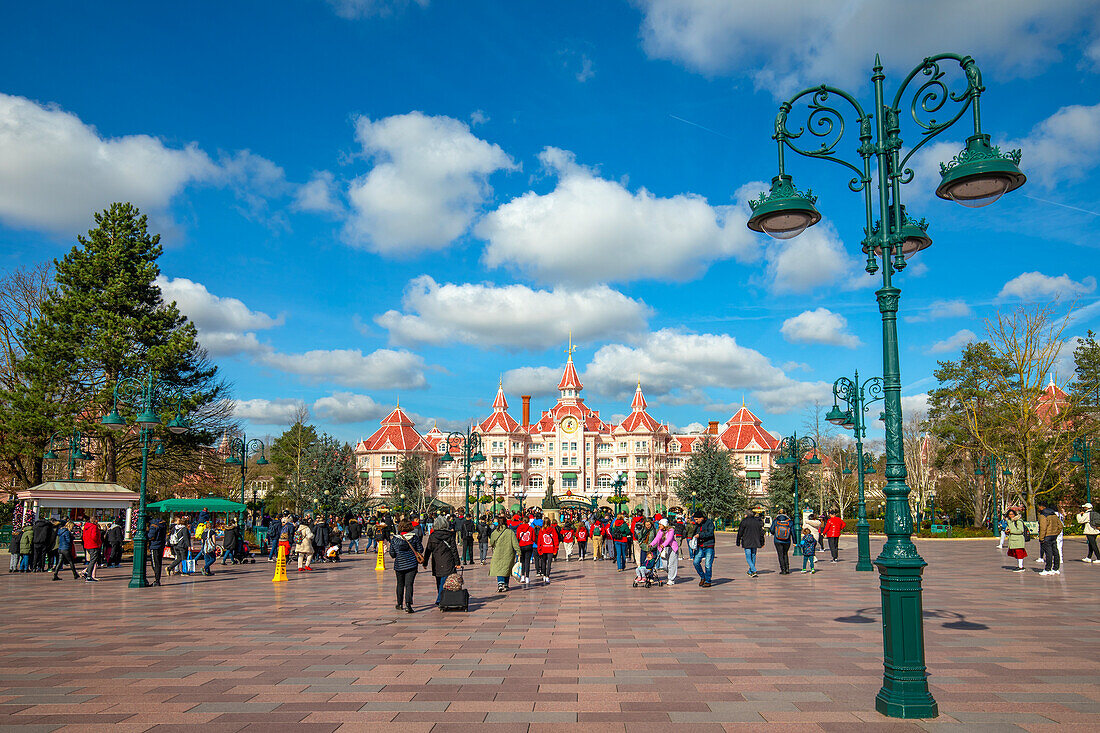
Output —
(826, 124)
(932, 96)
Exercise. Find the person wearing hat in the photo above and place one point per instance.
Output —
(1090, 520)
(750, 536)
(668, 547)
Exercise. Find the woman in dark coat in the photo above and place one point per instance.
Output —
(750, 536)
(442, 551)
(403, 548)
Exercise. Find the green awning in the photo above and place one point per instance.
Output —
(213, 504)
(498, 474)
(388, 474)
(364, 474)
(641, 474)
(569, 474)
(752, 474)
(516, 507)
(517, 475)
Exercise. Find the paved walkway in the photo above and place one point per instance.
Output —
(328, 651)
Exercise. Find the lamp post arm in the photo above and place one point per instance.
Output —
(826, 123)
(933, 95)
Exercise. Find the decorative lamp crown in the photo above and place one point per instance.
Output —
(980, 174)
(836, 416)
(114, 421)
(785, 212)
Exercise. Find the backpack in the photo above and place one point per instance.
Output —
(782, 530)
(177, 535)
(1094, 519)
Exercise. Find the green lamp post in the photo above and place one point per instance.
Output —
(856, 397)
(977, 176)
(240, 448)
(792, 452)
(145, 397)
(988, 466)
(76, 444)
(478, 481)
(470, 453)
(618, 483)
(1082, 454)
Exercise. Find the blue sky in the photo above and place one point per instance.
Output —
(364, 201)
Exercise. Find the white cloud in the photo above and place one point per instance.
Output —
(589, 229)
(428, 182)
(380, 369)
(666, 360)
(1062, 147)
(534, 381)
(938, 309)
(690, 428)
(953, 343)
(267, 412)
(225, 325)
(1037, 286)
(478, 117)
(820, 326)
(784, 45)
(346, 407)
(352, 9)
(318, 195)
(814, 259)
(914, 403)
(510, 316)
(55, 170)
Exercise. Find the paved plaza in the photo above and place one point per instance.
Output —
(327, 650)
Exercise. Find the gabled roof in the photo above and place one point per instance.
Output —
(500, 420)
(639, 420)
(743, 430)
(569, 378)
(434, 437)
(397, 431)
(1051, 403)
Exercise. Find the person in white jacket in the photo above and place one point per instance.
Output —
(1091, 522)
(812, 523)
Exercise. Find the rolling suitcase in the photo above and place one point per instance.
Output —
(454, 600)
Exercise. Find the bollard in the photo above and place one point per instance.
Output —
(381, 562)
(280, 565)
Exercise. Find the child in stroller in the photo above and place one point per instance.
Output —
(647, 571)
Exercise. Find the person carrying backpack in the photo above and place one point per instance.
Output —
(180, 542)
(781, 534)
(1090, 520)
(621, 536)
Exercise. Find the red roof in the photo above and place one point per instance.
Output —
(569, 379)
(434, 437)
(639, 419)
(743, 430)
(500, 419)
(1051, 403)
(397, 430)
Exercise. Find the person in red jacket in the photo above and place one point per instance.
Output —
(93, 541)
(582, 540)
(548, 548)
(569, 539)
(525, 533)
(834, 525)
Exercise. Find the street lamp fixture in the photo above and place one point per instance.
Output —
(977, 176)
(1082, 455)
(147, 395)
(792, 452)
(469, 452)
(74, 445)
(240, 449)
(856, 398)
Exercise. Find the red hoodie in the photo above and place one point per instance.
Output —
(525, 534)
(834, 526)
(548, 541)
(582, 534)
(90, 536)
(567, 535)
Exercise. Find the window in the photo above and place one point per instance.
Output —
(568, 483)
(498, 461)
(604, 463)
(364, 463)
(516, 445)
(587, 482)
(603, 448)
(550, 447)
(622, 460)
(387, 483)
(641, 483)
(389, 460)
(752, 460)
(588, 460)
(603, 482)
(754, 483)
(641, 462)
(622, 445)
(444, 482)
(535, 482)
(536, 447)
(517, 460)
(535, 463)
(675, 462)
(641, 444)
(551, 461)
(572, 446)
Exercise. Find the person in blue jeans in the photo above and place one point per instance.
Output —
(620, 536)
(750, 536)
(703, 557)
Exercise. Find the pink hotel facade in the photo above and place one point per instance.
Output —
(568, 443)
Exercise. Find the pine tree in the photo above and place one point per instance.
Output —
(329, 474)
(105, 320)
(780, 489)
(1086, 375)
(717, 479)
(290, 454)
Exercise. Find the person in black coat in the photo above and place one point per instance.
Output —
(442, 552)
(229, 542)
(404, 545)
(41, 539)
(320, 539)
(355, 531)
(483, 529)
(157, 534)
(750, 536)
(114, 541)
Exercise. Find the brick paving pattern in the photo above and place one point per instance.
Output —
(327, 651)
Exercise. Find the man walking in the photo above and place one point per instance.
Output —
(355, 531)
(1049, 529)
(781, 532)
(65, 550)
(157, 534)
(703, 558)
(93, 540)
(114, 541)
(180, 540)
(750, 536)
(834, 525)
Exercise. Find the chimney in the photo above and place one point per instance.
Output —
(526, 410)
(712, 427)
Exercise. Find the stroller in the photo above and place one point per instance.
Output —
(647, 572)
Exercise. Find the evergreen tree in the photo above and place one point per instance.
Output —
(411, 479)
(1086, 376)
(780, 489)
(717, 479)
(291, 454)
(329, 474)
(105, 320)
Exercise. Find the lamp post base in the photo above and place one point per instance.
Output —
(863, 542)
(137, 577)
(904, 692)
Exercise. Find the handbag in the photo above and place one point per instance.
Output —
(189, 563)
(167, 554)
(453, 581)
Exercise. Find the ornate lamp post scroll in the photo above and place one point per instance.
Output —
(145, 397)
(240, 448)
(76, 444)
(977, 176)
(470, 453)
